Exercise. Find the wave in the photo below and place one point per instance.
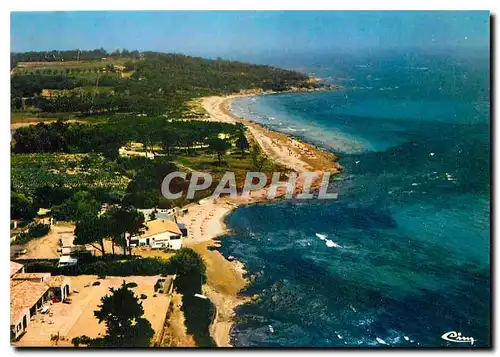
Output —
(321, 236)
(332, 244)
(329, 243)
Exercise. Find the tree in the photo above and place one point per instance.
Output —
(168, 140)
(122, 314)
(51, 195)
(22, 206)
(119, 311)
(187, 262)
(190, 269)
(258, 160)
(90, 230)
(241, 141)
(77, 208)
(122, 221)
(219, 146)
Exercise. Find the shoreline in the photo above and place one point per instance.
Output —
(205, 220)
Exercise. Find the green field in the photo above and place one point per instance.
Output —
(31, 171)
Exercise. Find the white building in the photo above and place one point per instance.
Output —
(67, 260)
(160, 233)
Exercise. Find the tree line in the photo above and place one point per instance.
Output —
(69, 55)
(158, 132)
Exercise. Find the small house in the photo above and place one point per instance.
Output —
(67, 260)
(160, 233)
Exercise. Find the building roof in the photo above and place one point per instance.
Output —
(57, 281)
(67, 259)
(66, 238)
(24, 294)
(15, 267)
(67, 241)
(28, 276)
(160, 226)
(43, 211)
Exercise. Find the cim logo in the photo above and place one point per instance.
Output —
(453, 336)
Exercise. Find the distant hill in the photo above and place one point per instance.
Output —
(135, 81)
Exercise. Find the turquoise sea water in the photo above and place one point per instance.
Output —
(412, 218)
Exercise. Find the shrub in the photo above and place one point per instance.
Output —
(36, 230)
(22, 238)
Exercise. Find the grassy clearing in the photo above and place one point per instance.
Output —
(233, 162)
(195, 109)
(25, 117)
(77, 90)
(23, 67)
(32, 117)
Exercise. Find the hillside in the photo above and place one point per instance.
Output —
(90, 83)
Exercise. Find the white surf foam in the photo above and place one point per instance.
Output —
(321, 236)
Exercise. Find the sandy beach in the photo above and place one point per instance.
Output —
(205, 220)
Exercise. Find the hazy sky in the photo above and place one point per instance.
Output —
(242, 34)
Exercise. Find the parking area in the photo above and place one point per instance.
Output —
(77, 318)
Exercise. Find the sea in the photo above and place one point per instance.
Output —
(411, 225)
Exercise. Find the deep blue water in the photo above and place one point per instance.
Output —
(412, 218)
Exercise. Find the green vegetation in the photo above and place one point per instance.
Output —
(35, 230)
(149, 83)
(58, 160)
(117, 266)
(218, 146)
(232, 161)
(48, 179)
(198, 313)
(157, 134)
(59, 57)
(242, 142)
(81, 206)
(22, 206)
(114, 224)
